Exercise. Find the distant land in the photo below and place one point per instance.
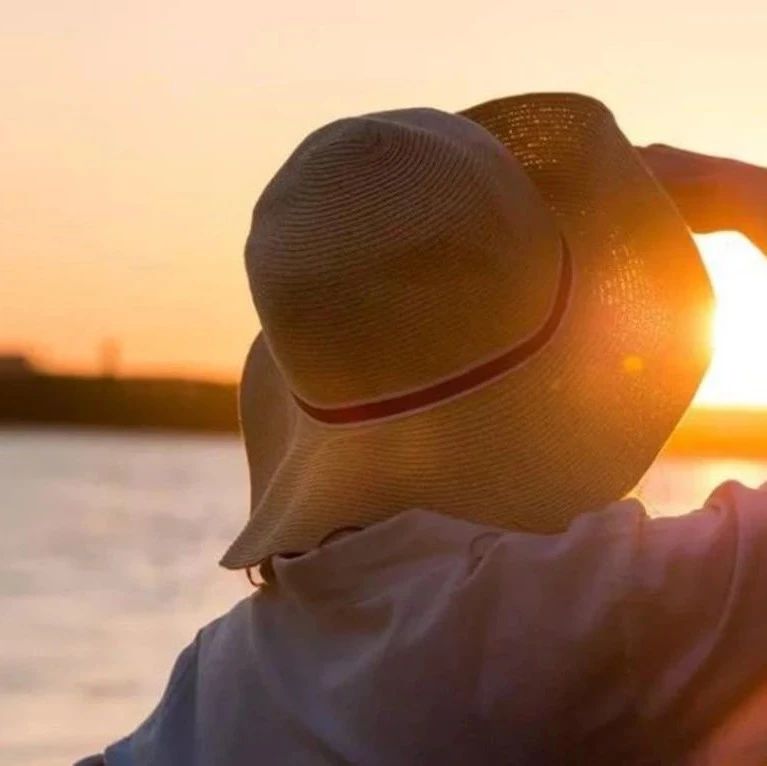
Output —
(720, 433)
(29, 396)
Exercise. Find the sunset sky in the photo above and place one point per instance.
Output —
(136, 137)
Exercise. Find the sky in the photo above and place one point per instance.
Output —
(137, 136)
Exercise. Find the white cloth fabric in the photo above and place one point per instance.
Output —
(426, 639)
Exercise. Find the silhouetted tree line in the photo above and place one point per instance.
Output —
(27, 396)
(119, 402)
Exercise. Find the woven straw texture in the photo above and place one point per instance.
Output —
(396, 250)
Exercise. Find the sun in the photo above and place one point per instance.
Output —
(738, 373)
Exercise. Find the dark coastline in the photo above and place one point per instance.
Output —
(168, 404)
(708, 432)
(128, 403)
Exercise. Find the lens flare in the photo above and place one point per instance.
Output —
(738, 373)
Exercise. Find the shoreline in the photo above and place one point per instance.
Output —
(179, 406)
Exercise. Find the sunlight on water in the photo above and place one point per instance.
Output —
(677, 485)
(108, 571)
(108, 568)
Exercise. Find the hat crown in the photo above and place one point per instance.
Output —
(400, 247)
(395, 249)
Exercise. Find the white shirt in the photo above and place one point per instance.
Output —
(426, 639)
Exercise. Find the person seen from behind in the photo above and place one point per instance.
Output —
(479, 329)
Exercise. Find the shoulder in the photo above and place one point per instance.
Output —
(166, 735)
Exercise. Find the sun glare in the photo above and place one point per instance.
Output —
(738, 373)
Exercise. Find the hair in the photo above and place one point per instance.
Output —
(265, 569)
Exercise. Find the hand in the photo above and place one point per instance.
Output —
(712, 193)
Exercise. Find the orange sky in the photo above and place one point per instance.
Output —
(136, 137)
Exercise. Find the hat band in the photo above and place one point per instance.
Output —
(461, 383)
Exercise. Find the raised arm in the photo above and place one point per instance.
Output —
(697, 628)
(713, 193)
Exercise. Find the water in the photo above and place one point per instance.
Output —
(108, 568)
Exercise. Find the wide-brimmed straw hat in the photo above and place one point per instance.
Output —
(497, 315)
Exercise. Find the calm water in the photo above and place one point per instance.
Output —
(108, 568)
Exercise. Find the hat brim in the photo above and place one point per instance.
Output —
(571, 429)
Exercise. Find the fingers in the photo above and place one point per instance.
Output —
(713, 193)
(750, 199)
(695, 184)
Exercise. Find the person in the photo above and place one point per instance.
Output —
(479, 329)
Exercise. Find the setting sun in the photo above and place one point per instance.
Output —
(738, 373)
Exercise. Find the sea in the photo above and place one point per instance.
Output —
(109, 543)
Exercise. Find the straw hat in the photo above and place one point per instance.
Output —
(497, 315)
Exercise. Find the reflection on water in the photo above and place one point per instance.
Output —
(108, 567)
(677, 485)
